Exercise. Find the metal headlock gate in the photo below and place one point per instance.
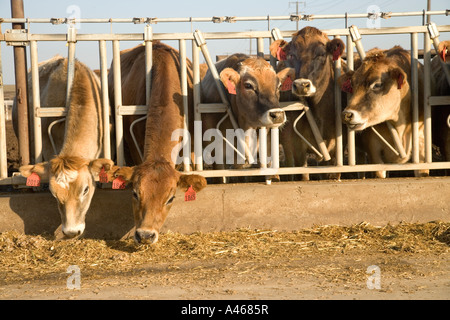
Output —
(24, 37)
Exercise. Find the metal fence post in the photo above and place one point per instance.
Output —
(105, 99)
(36, 105)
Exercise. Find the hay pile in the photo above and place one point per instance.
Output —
(25, 257)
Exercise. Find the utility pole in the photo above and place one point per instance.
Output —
(296, 8)
(428, 9)
(20, 68)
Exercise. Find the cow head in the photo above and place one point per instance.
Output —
(72, 183)
(444, 51)
(154, 187)
(377, 88)
(256, 87)
(311, 54)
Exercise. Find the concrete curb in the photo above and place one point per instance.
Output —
(281, 206)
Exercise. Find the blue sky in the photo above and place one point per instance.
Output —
(88, 52)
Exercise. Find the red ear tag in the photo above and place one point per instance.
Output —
(231, 87)
(336, 53)
(102, 176)
(190, 195)
(287, 84)
(118, 183)
(347, 86)
(400, 81)
(34, 180)
(281, 55)
(444, 54)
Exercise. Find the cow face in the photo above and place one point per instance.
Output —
(257, 90)
(377, 91)
(72, 183)
(154, 188)
(311, 54)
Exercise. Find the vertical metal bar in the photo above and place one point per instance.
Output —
(415, 96)
(263, 147)
(3, 152)
(426, 96)
(71, 40)
(148, 41)
(118, 103)
(198, 150)
(338, 110)
(36, 102)
(20, 69)
(275, 147)
(105, 99)
(350, 133)
(260, 47)
(184, 92)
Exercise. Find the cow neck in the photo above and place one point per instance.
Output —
(83, 134)
(322, 105)
(164, 112)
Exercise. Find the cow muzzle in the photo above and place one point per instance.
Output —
(143, 236)
(353, 120)
(273, 118)
(303, 88)
(73, 231)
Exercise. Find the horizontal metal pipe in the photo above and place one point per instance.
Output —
(325, 169)
(214, 19)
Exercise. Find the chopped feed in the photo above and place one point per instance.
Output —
(25, 257)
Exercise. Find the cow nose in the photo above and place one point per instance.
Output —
(347, 116)
(71, 233)
(277, 116)
(145, 236)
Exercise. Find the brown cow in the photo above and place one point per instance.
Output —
(73, 171)
(253, 89)
(155, 180)
(441, 87)
(381, 93)
(311, 53)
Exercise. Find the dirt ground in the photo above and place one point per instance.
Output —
(326, 262)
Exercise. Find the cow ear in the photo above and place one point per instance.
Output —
(124, 172)
(345, 81)
(41, 169)
(96, 165)
(399, 76)
(336, 48)
(230, 78)
(196, 181)
(277, 49)
(286, 77)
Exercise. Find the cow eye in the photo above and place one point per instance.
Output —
(376, 86)
(135, 195)
(86, 190)
(170, 200)
(248, 86)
